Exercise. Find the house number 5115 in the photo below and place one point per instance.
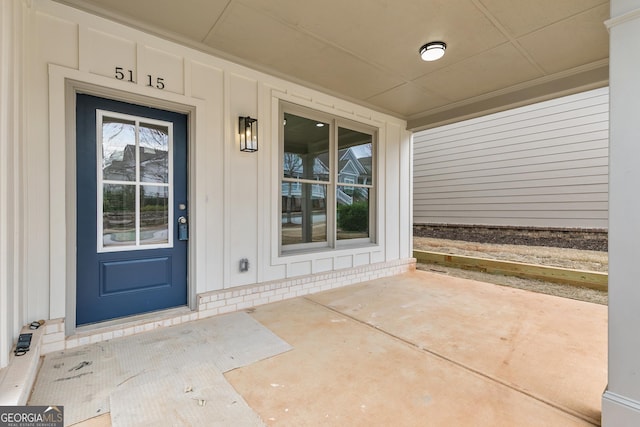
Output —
(127, 75)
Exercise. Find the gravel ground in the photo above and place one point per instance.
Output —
(595, 240)
(562, 249)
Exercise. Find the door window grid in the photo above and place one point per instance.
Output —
(134, 182)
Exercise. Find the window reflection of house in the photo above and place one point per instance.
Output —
(294, 190)
(119, 195)
(154, 165)
(351, 170)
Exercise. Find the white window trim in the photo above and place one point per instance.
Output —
(335, 122)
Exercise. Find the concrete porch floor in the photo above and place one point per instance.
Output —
(430, 350)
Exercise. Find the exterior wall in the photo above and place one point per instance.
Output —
(543, 165)
(621, 400)
(223, 301)
(233, 195)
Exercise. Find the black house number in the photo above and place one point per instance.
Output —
(122, 73)
(127, 75)
(158, 82)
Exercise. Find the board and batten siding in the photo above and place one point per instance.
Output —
(234, 211)
(543, 165)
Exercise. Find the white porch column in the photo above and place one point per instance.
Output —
(11, 102)
(621, 400)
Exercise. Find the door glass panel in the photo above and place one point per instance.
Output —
(135, 183)
(118, 149)
(154, 153)
(154, 214)
(118, 215)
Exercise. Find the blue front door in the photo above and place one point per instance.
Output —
(131, 199)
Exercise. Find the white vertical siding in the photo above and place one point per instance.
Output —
(543, 165)
(234, 196)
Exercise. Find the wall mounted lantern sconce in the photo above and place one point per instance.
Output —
(248, 129)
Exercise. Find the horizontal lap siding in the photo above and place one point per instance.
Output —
(543, 165)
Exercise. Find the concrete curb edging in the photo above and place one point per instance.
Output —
(18, 377)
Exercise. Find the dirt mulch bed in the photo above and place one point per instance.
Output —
(593, 240)
(567, 250)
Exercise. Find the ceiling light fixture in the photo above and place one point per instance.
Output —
(432, 51)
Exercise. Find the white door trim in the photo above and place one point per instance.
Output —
(64, 84)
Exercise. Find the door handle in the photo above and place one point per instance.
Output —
(183, 228)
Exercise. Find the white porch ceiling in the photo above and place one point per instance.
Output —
(500, 54)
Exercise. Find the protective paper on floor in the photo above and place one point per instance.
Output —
(191, 396)
(85, 379)
(81, 380)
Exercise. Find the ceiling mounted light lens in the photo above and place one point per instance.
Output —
(432, 51)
